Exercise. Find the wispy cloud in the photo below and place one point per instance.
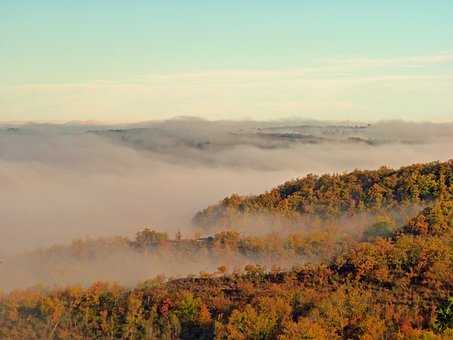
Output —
(406, 87)
(420, 60)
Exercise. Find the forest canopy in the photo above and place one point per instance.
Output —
(331, 196)
(394, 279)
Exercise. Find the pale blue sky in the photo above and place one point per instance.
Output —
(139, 60)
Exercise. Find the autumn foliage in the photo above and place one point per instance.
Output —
(391, 284)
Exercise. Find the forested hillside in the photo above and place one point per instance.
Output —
(389, 281)
(395, 287)
(331, 196)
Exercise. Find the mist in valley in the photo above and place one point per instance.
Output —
(84, 181)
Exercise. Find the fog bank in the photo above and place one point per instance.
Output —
(61, 182)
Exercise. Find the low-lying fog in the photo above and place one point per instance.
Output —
(61, 182)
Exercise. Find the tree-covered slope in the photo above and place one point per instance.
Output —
(335, 195)
(394, 288)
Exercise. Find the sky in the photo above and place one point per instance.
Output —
(124, 61)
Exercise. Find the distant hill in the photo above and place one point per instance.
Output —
(335, 195)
